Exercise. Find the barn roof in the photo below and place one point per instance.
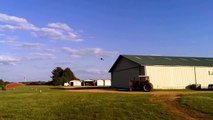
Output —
(166, 60)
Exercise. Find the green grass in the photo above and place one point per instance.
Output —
(28, 103)
(199, 102)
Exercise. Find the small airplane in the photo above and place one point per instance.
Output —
(102, 59)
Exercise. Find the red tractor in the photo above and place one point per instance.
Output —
(141, 84)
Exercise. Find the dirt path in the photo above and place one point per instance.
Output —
(170, 102)
(169, 99)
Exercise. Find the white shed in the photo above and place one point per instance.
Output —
(107, 82)
(75, 83)
(165, 72)
(100, 82)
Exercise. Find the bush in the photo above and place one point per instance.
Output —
(3, 88)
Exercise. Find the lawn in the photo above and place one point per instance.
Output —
(199, 102)
(29, 103)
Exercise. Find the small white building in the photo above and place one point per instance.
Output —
(107, 82)
(103, 82)
(73, 83)
(100, 82)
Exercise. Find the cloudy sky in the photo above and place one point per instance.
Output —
(38, 35)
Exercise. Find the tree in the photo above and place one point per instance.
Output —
(57, 74)
(68, 75)
(1, 83)
(61, 76)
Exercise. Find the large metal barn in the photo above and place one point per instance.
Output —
(165, 72)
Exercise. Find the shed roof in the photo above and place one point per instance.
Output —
(74, 80)
(166, 60)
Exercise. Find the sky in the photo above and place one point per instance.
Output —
(37, 36)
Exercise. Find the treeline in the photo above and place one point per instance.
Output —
(3, 83)
(59, 77)
(37, 83)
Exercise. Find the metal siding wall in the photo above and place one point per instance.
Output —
(203, 77)
(76, 83)
(182, 77)
(121, 78)
(170, 77)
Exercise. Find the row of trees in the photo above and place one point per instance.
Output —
(60, 76)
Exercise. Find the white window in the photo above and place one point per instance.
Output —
(210, 72)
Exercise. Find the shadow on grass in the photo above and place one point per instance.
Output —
(92, 88)
(120, 89)
(204, 90)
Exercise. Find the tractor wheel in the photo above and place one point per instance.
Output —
(147, 87)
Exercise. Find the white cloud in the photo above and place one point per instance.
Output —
(29, 45)
(91, 73)
(8, 27)
(64, 63)
(94, 71)
(40, 56)
(89, 52)
(7, 40)
(50, 50)
(8, 60)
(15, 23)
(62, 26)
(53, 31)
(12, 42)
(12, 19)
(57, 31)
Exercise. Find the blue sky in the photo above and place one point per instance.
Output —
(38, 35)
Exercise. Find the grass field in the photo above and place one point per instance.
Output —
(199, 102)
(29, 103)
(52, 104)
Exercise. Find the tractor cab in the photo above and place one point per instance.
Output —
(141, 84)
